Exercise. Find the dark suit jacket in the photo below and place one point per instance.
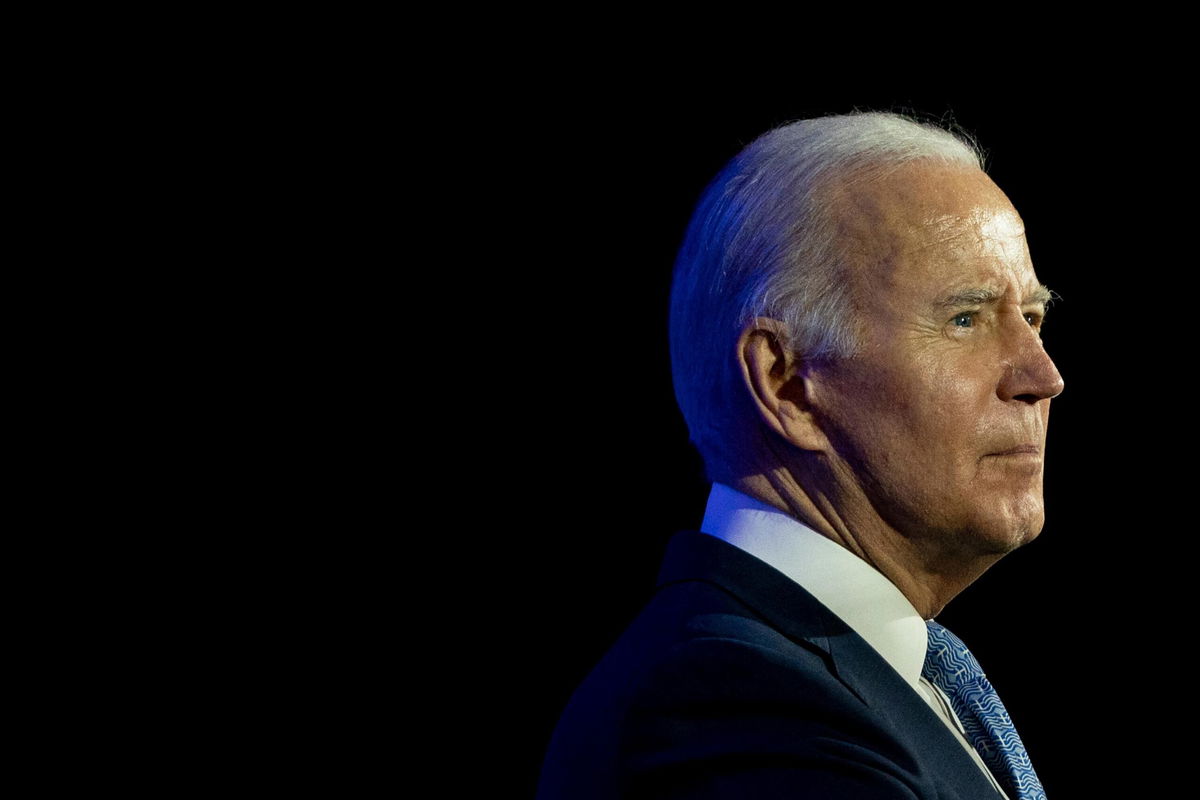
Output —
(734, 682)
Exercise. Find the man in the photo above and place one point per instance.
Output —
(855, 343)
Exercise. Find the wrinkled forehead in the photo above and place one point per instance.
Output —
(934, 214)
(993, 230)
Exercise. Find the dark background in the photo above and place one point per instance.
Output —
(585, 199)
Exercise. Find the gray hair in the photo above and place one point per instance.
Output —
(762, 243)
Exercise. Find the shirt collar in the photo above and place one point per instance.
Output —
(845, 584)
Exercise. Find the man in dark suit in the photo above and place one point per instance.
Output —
(855, 343)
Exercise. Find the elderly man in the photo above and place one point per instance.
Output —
(855, 341)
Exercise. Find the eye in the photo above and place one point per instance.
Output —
(964, 320)
(1034, 319)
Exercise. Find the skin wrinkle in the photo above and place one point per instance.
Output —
(900, 453)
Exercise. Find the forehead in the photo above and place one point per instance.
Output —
(932, 227)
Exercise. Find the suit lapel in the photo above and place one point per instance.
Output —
(794, 612)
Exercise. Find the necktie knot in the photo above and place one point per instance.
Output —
(947, 659)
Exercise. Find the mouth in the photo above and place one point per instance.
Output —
(1020, 450)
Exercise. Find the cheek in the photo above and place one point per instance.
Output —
(941, 409)
(920, 417)
(948, 425)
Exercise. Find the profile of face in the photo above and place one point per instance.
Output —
(939, 421)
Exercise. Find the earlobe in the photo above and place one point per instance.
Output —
(776, 378)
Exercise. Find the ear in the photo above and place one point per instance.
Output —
(779, 386)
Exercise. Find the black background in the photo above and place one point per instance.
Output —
(570, 419)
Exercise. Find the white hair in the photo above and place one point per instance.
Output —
(763, 243)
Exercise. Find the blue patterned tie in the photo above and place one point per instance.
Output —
(950, 666)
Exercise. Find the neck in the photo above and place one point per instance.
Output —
(928, 575)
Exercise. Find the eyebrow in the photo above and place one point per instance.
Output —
(978, 297)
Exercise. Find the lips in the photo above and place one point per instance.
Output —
(1021, 449)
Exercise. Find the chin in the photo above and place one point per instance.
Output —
(1020, 521)
(1013, 535)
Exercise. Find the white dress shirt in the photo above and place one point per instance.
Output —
(856, 592)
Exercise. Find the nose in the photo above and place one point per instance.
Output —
(1029, 373)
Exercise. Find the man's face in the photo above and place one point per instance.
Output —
(940, 421)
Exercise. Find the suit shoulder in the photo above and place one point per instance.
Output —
(694, 653)
(708, 695)
(694, 634)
